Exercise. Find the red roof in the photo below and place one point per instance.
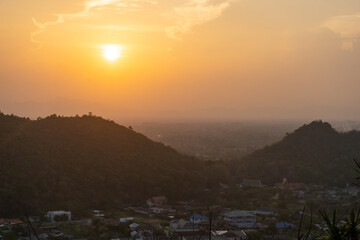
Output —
(11, 221)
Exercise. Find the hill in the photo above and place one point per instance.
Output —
(314, 153)
(80, 163)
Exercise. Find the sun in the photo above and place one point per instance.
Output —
(112, 52)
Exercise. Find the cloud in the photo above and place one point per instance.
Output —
(194, 13)
(347, 26)
(182, 18)
(88, 7)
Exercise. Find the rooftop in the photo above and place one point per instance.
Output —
(239, 213)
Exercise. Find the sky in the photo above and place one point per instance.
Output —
(181, 59)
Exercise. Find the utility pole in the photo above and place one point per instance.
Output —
(193, 225)
(210, 216)
(32, 228)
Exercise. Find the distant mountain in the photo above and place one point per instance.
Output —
(86, 162)
(314, 153)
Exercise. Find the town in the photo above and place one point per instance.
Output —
(250, 210)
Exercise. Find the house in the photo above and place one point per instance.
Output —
(241, 235)
(98, 213)
(240, 219)
(142, 232)
(251, 183)
(231, 235)
(133, 226)
(197, 218)
(352, 191)
(181, 226)
(146, 236)
(285, 185)
(145, 228)
(8, 223)
(52, 214)
(158, 210)
(177, 223)
(265, 211)
(135, 235)
(156, 201)
(143, 211)
(127, 219)
(284, 225)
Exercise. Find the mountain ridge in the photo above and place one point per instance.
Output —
(86, 162)
(313, 153)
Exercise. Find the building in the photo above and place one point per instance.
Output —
(146, 228)
(284, 225)
(52, 214)
(285, 185)
(133, 226)
(156, 201)
(98, 213)
(164, 209)
(181, 226)
(127, 219)
(264, 211)
(8, 223)
(240, 219)
(231, 235)
(197, 218)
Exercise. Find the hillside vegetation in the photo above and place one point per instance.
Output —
(314, 153)
(81, 163)
(87, 162)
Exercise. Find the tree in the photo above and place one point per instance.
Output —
(61, 218)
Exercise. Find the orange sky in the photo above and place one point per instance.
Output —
(182, 59)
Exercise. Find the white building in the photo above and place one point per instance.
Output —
(197, 218)
(52, 214)
(133, 226)
(156, 201)
(127, 219)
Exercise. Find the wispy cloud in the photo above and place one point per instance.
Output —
(182, 18)
(347, 26)
(89, 5)
(194, 13)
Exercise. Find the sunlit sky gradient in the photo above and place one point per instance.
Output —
(182, 59)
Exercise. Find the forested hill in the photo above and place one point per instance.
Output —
(314, 153)
(87, 162)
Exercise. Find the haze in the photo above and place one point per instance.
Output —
(188, 59)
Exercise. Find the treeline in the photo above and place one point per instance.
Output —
(81, 163)
(314, 153)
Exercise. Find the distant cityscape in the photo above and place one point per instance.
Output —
(272, 212)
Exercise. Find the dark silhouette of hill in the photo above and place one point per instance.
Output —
(80, 163)
(314, 153)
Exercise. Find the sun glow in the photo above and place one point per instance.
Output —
(112, 52)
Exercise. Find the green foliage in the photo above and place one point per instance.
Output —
(334, 230)
(271, 229)
(255, 236)
(352, 231)
(81, 163)
(314, 153)
(347, 230)
(9, 235)
(61, 218)
(304, 235)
